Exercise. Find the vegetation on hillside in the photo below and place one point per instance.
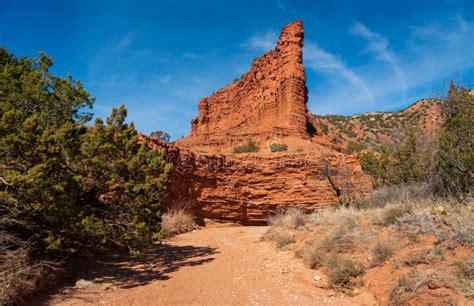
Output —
(447, 163)
(389, 239)
(373, 129)
(404, 163)
(67, 190)
(249, 146)
(425, 189)
(278, 147)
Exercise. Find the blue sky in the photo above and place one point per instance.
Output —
(160, 57)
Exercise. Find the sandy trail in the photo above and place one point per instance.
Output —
(210, 266)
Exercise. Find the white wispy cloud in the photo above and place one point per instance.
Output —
(280, 5)
(433, 54)
(322, 61)
(156, 81)
(379, 46)
(456, 32)
(262, 41)
(125, 41)
(190, 55)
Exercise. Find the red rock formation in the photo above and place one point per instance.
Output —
(268, 101)
(249, 187)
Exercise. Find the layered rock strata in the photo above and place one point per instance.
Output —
(249, 188)
(268, 101)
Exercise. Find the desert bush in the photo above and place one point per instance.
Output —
(294, 218)
(279, 236)
(410, 284)
(177, 221)
(382, 251)
(385, 195)
(313, 257)
(354, 147)
(278, 147)
(392, 213)
(461, 231)
(465, 273)
(465, 267)
(249, 146)
(21, 275)
(417, 257)
(342, 216)
(341, 239)
(342, 272)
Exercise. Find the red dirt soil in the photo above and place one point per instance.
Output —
(211, 266)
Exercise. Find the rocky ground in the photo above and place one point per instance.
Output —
(212, 266)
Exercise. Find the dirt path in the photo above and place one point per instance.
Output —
(211, 266)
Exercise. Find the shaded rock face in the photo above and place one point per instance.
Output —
(249, 188)
(269, 100)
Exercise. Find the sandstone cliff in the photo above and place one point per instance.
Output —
(248, 188)
(267, 104)
(268, 101)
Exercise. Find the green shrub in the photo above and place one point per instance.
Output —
(455, 155)
(249, 146)
(354, 147)
(278, 147)
(72, 189)
(405, 163)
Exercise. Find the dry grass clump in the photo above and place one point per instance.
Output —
(313, 256)
(177, 221)
(20, 276)
(342, 240)
(382, 251)
(279, 236)
(465, 269)
(292, 218)
(342, 216)
(391, 214)
(343, 272)
(462, 228)
(410, 284)
(393, 194)
(424, 256)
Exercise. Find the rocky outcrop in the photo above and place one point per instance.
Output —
(268, 101)
(248, 188)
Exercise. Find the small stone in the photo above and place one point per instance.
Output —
(82, 283)
(317, 278)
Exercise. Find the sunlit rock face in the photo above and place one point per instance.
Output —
(268, 101)
(268, 104)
